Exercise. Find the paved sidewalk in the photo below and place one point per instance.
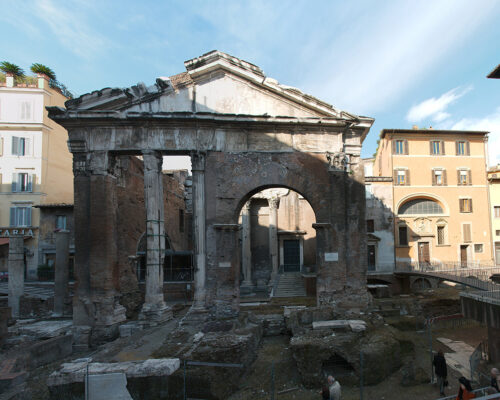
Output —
(459, 359)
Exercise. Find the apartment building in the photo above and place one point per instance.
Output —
(35, 164)
(440, 194)
(494, 186)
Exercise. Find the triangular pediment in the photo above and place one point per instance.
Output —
(217, 83)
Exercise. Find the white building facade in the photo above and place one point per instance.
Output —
(35, 164)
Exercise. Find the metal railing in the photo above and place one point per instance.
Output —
(483, 392)
(477, 276)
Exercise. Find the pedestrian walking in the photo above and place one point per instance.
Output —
(465, 389)
(325, 393)
(495, 380)
(334, 388)
(440, 370)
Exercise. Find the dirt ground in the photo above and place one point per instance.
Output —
(274, 358)
(257, 383)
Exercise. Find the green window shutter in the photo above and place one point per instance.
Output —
(13, 216)
(15, 146)
(14, 182)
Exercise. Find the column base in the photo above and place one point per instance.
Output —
(81, 337)
(153, 314)
(196, 316)
(246, 288)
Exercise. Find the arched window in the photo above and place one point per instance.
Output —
(420, 207)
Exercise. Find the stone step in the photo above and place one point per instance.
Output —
(290, 285)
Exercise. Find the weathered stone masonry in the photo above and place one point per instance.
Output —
(236, 153)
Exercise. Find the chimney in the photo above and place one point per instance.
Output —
(43, 81)
(9, 79)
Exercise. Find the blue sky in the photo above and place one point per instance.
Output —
(401, 62)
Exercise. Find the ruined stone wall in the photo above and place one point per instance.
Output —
(131, 224)
(337, 197)
(175, 210)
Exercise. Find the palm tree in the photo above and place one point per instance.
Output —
(42, 69)
(12, 69)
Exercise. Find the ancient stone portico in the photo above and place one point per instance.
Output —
(244, 132)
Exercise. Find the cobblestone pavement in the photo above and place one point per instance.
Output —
(31, 290)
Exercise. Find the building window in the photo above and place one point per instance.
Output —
(369, 191)
(20, 146)
(181, 221)
(403, 235)
(20, 216)
(462, 148)
(497, 232)
(478, 248)
(441, 237)
(465, 205)
(26, 110)
(22, 182)
(370, 225)
(400, 146)
(61, 222)
(437, 147)
(439, 177)
(467, 233)
(464, 177)
(420, 206)
(402, 177)
(496, 210)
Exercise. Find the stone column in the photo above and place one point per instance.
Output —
(199, 215)
(246, 245)
(16, 273)
(154, 309)
(273, 235)
(61, 295)
(227, 270)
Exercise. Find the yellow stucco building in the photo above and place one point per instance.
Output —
(35, 164)
(494, 185)
(440, 195)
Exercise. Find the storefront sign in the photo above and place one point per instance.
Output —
(16, 231)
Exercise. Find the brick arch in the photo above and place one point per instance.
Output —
(232, 178)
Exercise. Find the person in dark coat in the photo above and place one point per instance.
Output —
(465, 390)
(325, 393)
(440, 370)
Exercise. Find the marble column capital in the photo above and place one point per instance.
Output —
(153, 160)
(273, 203)
(198, 161)
(99, 163)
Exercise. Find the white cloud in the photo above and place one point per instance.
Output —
(67, 23)
(434, 108)
(490, 123)
(387, 50)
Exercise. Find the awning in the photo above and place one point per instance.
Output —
(5, 240)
